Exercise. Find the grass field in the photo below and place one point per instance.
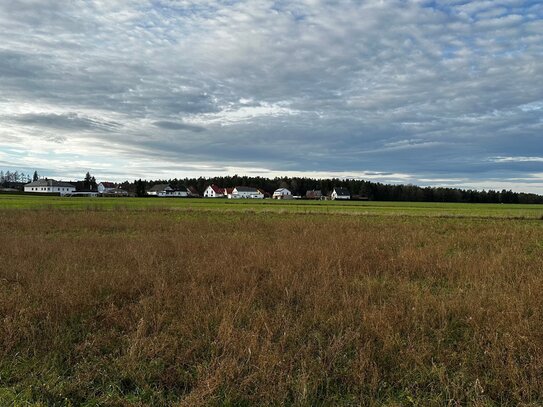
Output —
(137, 302)
(268, 205)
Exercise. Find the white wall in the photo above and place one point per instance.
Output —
(172, 194)
(247, 195)
(210, 193)
(282, 194)
(335, 196)
(50, 190)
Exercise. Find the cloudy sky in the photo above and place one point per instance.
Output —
(431, 92)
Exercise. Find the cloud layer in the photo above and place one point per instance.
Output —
(431, 92)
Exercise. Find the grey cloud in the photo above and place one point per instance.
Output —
(68, 121)
(455, 78)
(178, 126)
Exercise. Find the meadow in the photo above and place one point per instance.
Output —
(274, 206)
(127, 302)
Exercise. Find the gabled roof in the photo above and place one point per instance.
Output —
(342, 191)
(160, 187)
(282, 191)
(108, 184)
(49, 183)
(216, 189)
(193, 191)
(228, 191)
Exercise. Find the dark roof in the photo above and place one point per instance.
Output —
(108, 184)
(342, 191)
(218, 190)
(48, 183)
(314, 192)
(181, 188)
(193, 191)
(159, 187)
(247, 189)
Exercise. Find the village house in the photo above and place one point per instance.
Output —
(165, 190)
(193, 192)
(49, 186)
(106, 187)
(340, 193)
(245, 193)
(313, 194)
(213, 191)
(110, 189)
(282, 193)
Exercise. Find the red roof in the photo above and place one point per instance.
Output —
(108, 184)
(229, 190)
(218, 190)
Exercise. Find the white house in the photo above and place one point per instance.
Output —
(49, 186)
(213, 191)
(159, 190)
(245, 193)
(106, 187)
(282, 193)
(340, 193)
(110, 189)
(165, 190)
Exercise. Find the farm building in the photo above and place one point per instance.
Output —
(282, 193)
(193, 192)
(165, 190)
(213, 191)
(49, 186)
(245, 193)
(106, 187)
(313, 194)
(340, 193)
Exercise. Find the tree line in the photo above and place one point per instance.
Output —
(13, 177)
(361, 189)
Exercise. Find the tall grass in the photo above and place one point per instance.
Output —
(187, 308)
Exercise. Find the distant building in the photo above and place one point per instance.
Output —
(314, 194)
(165, 190)
(340, 193)
(110, 189)
(193, 193)
(213, 191)
(282, 193)
(106, 187)
(245, 193)
(159, 189)
(50, 186)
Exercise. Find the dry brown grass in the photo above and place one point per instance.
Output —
(169, 308)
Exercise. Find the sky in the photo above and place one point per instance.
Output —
(440, 92)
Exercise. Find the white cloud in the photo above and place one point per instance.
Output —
(238, 114)
(517, 159)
